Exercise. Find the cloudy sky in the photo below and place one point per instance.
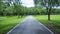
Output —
(28, 3)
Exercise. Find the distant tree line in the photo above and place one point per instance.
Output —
(6, 9)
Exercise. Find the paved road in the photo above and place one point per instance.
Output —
(30, 26)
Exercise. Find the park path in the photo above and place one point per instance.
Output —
(30, 26)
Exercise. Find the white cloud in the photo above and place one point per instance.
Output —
(27, 3)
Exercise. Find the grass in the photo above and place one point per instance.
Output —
(7, 23)
(53, 24)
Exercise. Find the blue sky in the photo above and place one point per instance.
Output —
(27, 3)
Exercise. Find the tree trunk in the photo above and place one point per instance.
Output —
(50, 9)
(49, 15)
(49, 12)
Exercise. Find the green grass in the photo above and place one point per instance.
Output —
(53, 24)
(7, 23)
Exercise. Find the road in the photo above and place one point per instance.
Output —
(30, 26)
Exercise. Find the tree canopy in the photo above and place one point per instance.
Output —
(48, 4)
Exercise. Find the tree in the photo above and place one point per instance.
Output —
(17, 9)
(4, 6)
(0, 7)
(10, 10)
(48, 4)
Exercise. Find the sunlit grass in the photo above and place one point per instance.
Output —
(53, 24)
(6, 23)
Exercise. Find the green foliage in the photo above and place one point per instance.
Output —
(17, 9)
(1, 6)
(47, 2)
(55, 11)
(9, 10)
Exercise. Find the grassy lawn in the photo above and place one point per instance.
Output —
(53, 24)
(7, 23)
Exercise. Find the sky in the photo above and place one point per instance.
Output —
(27, 3)
(30, 3)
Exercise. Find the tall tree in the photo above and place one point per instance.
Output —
(48, 4)
(4, 6)
(1, 7)
(17, 6)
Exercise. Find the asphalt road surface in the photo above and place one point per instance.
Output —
(30, 26)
